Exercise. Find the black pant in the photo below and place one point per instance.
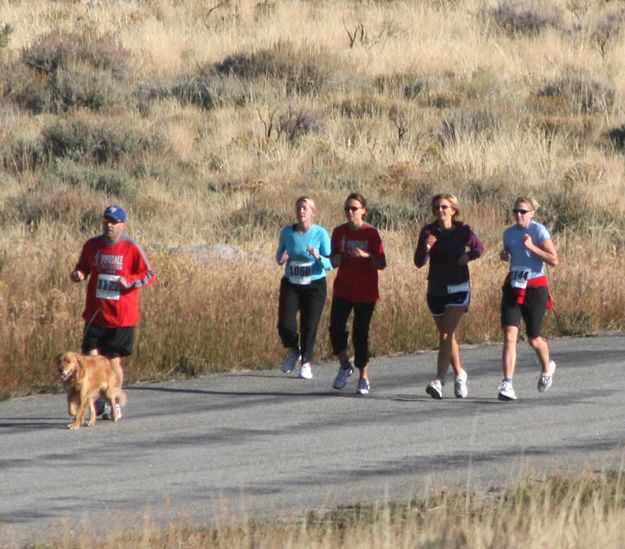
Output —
(309, 300)
(341, 309)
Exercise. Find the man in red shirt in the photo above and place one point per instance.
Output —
(117, 269)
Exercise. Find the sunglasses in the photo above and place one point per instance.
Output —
(352, 208)
(520, 211)
(440, 207)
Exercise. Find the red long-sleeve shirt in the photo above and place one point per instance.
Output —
(357, 278)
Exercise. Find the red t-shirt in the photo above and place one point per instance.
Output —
(357, 278)
(108, 305)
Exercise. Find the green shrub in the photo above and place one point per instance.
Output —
(59, 49)
(61, 71)
(27, 88)
(568, 207)
(580, 91)
(5, 33)
(414, 88)
(204, 88)
(196, 90)
(469, 122)
(580, 128)
(295, 122)
(617, 137)
(524, 16)
(392, 216)
(255, 217)
(302, 70)
(52, 202)
(80, 139)
(21, 154)
(498, 193)
(80, 86)
(108, 181)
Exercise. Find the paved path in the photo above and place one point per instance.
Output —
(264, 443)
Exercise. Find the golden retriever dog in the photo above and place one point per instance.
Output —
(85, 378)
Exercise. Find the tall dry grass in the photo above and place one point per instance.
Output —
(207, 121)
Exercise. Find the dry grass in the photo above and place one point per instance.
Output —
(206, 121)
(553, 511)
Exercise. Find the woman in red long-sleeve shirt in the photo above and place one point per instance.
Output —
(358, 253)
(450, 245)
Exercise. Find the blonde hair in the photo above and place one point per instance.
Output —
(453, 202)
(307, 200)
(528, 200)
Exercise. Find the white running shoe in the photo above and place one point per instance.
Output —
(435, 389)
(344, 372)
(289, 363)
(108, 412)
(363, 386)
(506, 391)
(306, 371)
(460, 385)
(546, 379)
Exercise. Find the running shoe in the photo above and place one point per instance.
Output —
(306, 371)
(506, 391)
(435, 389)
(108, 412)
(289, 363)
(546, 379)
(460, 385)
(363, 386)
(345, 370)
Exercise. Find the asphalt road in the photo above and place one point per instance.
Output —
(262, 443)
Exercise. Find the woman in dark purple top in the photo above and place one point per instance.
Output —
(450, 245)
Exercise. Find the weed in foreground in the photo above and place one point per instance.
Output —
(560, 511)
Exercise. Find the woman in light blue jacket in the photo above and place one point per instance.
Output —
(304, 250)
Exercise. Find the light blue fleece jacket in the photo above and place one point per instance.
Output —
(296, 245)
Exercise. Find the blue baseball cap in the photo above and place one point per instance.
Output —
(116, 213)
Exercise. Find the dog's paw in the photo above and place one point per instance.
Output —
(73, 426)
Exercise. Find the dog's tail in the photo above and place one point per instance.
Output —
(120, 397)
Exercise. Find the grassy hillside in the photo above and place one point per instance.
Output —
(207, 119)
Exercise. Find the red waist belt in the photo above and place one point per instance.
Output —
(538, 282)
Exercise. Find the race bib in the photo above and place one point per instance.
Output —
(299, 272)
(519, 278)
(108, 287)
(455, 288)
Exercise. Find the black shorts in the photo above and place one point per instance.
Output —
(438, 303)
(110, 342)
(532, 311)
